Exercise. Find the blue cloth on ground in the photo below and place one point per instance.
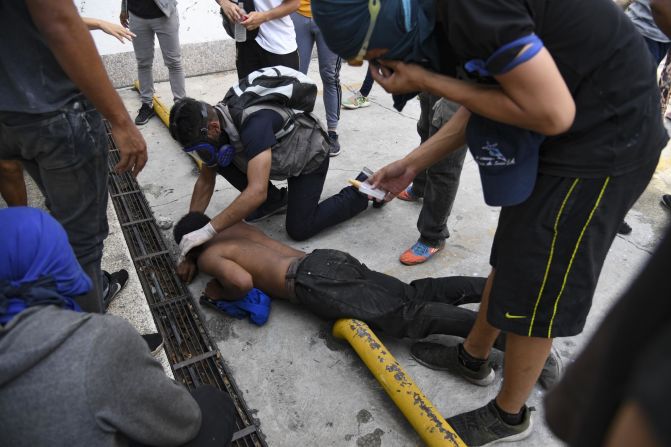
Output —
(37, 264)
(256, 304)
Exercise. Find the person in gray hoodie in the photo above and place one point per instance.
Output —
(71, 378)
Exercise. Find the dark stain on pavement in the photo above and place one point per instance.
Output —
(373, 439)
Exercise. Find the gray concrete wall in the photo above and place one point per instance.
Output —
(197, 58)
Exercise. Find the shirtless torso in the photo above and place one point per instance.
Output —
(242, 253)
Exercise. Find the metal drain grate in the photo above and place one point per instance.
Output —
(194, 357)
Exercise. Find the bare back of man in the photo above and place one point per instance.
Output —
(242, 257)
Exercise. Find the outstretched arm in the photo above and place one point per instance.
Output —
(532, 95)
(70, 41)
(112, 29)
(396, 176)
(258, 173)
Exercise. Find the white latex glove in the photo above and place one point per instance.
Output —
(194, 239)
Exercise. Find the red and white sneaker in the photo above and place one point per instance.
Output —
(408, 195)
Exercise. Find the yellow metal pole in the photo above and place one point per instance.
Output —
(164, 114)
(415, 406)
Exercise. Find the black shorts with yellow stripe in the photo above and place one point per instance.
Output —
(548, 251)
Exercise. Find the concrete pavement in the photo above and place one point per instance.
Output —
(305, 387)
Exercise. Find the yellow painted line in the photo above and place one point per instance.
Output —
(164, 114)
(415, 406)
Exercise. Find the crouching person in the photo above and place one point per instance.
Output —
(254, 135)
(72, 378)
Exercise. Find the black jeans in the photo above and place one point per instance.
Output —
(250, 56)
(306, 216)
(65, 152)
(439, 183)
(333, 285)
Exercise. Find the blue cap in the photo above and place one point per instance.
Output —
(507, 157)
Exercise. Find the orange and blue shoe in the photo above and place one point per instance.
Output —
(408, 195)
(419, 253)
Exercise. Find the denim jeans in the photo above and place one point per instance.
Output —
(65, 152)
(439, 183)
(332, 284)
(307, 34)
(166, 29)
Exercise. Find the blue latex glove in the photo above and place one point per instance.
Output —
(256, 304)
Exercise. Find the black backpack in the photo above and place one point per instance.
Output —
(279, 86)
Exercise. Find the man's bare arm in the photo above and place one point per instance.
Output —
(532, 95)
(70, 41)
(235, 281)
(112, 29)
(203, 189)
(396, 176)
(258, 174)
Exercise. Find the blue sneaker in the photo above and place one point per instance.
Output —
(419, 253)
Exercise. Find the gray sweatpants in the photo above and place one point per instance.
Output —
(167, 31)
(439, 183)
(307, 34)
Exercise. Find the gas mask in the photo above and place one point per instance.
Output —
(211, 152)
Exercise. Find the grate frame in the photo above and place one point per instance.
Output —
(194, 358)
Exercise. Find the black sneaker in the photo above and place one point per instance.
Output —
(666, 200)
(267, 210)
(144, 114)
(552, 370)
(333, 141)
(624, 229)
(484, 426)
(446, 358)
(154, 342)
(114, 282)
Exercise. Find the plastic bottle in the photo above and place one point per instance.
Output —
(240, 31)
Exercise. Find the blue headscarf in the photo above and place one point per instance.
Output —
(37, 265)
(404, 27)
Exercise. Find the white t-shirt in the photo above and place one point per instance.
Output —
(276, 36)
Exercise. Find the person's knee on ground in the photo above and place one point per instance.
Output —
(299, 231)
